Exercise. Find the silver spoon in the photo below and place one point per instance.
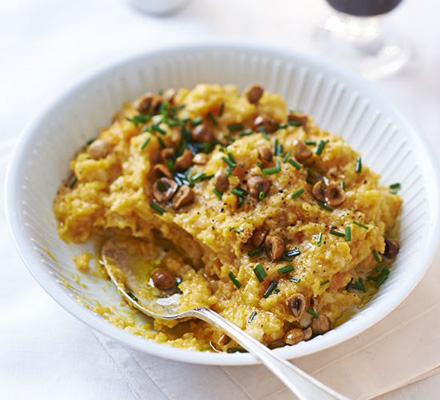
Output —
(124, 261)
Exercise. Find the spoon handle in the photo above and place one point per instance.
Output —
(300, 383)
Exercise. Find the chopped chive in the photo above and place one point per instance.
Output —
(231, 157)
(230, 138)
(132, 296)
(393, 191)
(218, 193)
(156, 207)
(285, 270)
(395, 186)
(157, 128)
(140, 119)
(312, 312)
(229, 171)
(324, 283)
(294, 164)
(172, 124)
(201, 176)
(236, 350)
(259, 165)
(160, 92)
(197, 121)
(264, 133)
(212, 118)
(319, 239)
(163, 107)
(358, 167)
(293, 252)
(161, 142)
(247, 132)
(296, 194)
(376, 255)
(324, 206)
(295, 279)
(235, 127)
(286, 157)
(90, 141)
(234, 280)
(282, 126)
(356, 285)
(278, 148)
(261, 195)
(239, 192)
(342, 185)
(74, 182)
(256, 251)
(222, 109)
(320, 147)
(336, 233)
(240, 201)
(260, 272)
(348, 233)
(310, 142)
(273, 170)
(228, 161)
(270, 289)
(179, 107)
(361, 225)
(251, 318)
(294, 123)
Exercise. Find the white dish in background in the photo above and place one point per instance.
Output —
(339, 101)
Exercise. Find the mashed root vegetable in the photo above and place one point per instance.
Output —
(258, 213)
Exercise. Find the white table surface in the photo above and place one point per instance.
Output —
(44, 45)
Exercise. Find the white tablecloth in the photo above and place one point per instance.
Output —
(44, 44)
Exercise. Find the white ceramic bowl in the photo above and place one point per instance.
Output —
(339, 101)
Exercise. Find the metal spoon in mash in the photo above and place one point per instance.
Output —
(124, 261)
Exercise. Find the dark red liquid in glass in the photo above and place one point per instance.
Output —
(364, 8)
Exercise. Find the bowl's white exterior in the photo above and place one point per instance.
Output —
(339, 101)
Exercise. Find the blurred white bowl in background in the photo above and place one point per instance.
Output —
(158, 7)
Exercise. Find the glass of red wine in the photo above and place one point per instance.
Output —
(354, 36)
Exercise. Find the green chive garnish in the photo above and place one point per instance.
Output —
(319, 239)
(222, 109)
(197, 121)
(356, 285)
(156, 207)
(278, 148)
(286, 157)
(227, 160)
(247, 132)
(296, 194)
(310, 142)
(358, 168)
(260, 272)
(157, 128)
(348, 233)
(236, 350)
(381, 278)
(324, 283)
(294, 164)
(273, 170)
(320, 147)
(239, 192)
(270, 289)
(217, 193)
(74, 182)
(295, 279)
(147, 140)
(312, 312)
(342, 185)
(361, 225)
(251, 318)
(395, 186)
(376, 255)
(324, 206)
(234, 280)
(140, 119)
(264, 133)
(256, 251)
(285, 270)
(235, 127)
(212, 118)
(90, 141)
(294, 123)
(336, 233)
(161, 142)
(261, 196)
(132, 296)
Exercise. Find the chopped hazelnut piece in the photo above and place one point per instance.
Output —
(321, 325)
(223, 340)
(183, 197)
(302, 119)
(274, 247)
(200, 159)
(318, 191)
(302, 152)
(167, 155)
(169, 95)
(392, 247)
(221, 181)
(160, 170)
(254, 93)
(257, 239)
(307, 333)
(99, 149)
(203, 133)
(267, 123)
(294, 336)
(334, 195)
(276, 344)
(163, 279)
(164, 189)
(148, 103)
(296, 304)
(258, 184)
(184, 161)
(265, 154)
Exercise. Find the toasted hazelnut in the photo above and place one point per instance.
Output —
(99, 149)
(200, 159)
(203, 133)
(147, 103)
(266, 122)
(274, 247)
(307, 333)
(253, 93)
(392, 247)
(302, 119)
(294, 336)
(258, 184)
(257, 238)
(160, 170)
(296, 304)
(334, 195)
(302, 152)
(167, 155)
(239, 171)
(321, 325)
(163, 279)
(318, 191)
(184, 161)
(340, 280)
(265, 154)
(164, 189)
(276, 344)
(169, 95)
(183, 197)
(221, 181)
